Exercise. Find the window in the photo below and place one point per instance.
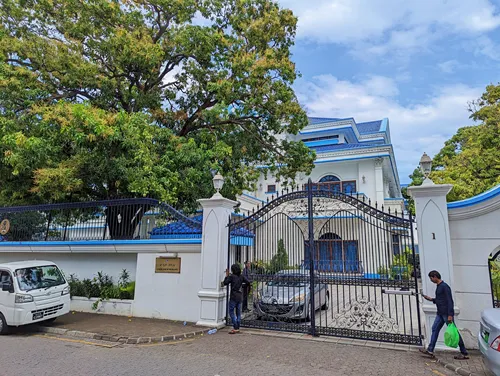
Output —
(5, 277)
(321, 138)
(271, 188)
(396, 245)
(39, 277)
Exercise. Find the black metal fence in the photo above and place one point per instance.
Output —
(325, 262)
(494, 268)
(122, 219)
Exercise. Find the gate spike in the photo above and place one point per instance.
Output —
(382, 207)
(389, 210)
(369, 202)
(268, 199)
(364, 199)
(376, 205)
(396, 213)
(272, 198)
(253, 210)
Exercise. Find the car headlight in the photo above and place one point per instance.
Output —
(65, 291)
(298, 299)
(23, 298)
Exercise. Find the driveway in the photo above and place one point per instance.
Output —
(219, 354)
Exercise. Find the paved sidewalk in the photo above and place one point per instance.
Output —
(474, 366)
(130, 330)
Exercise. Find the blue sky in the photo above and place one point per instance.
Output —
(416, 62)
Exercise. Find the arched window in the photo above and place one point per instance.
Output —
(330, 236)
(328, 178)
(333, 183)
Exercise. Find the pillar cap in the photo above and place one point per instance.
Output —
(432, 190)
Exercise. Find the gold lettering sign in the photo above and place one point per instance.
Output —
(4, 227)
(168, 265)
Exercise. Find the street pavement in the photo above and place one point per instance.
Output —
(211, 355)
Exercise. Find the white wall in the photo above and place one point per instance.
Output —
(168, 296)
(475, 234)
(84, 265)
(349, 170)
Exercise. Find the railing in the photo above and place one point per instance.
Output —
(124, 219)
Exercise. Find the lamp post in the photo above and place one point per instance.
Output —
(425, 167)
(218, 182)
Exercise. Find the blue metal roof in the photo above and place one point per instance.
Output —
(319, 120)
(369, 127)
(322, 149)
(186, 229)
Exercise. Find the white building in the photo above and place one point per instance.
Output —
(354, 158)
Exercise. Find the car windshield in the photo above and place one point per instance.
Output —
(39, 277)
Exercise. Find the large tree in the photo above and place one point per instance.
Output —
(470, 160)
(104, 98)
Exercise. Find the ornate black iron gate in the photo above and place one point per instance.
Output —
(328, 263)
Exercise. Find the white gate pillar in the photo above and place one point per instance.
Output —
(434, 244)
(214, 253)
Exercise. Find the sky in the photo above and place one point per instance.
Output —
(416, 62)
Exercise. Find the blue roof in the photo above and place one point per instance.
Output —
(369, 127)
(184, 228)
(319, 120)
(322, 149)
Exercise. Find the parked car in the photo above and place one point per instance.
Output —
(31, 291)
(288, 296)
(489, 338)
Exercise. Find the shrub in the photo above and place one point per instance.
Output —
(280, 259)
(102, 287)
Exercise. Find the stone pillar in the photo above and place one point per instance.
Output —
(379, 181)
(434, 244)
(214, 253)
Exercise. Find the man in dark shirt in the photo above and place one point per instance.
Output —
(445, 314)
(236, 281)
(246, 287)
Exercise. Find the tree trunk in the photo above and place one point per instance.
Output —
(123, 220)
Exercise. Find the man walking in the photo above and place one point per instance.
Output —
(445, 314)
(246, 288)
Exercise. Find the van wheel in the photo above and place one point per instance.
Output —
(3, 325)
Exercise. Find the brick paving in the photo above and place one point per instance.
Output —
(472, 366)
(220, 354)
(131, 330)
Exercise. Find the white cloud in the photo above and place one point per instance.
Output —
(382, 26)
(414, 128)
(448, 66)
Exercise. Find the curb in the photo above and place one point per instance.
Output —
(120, 339)
(458, 370)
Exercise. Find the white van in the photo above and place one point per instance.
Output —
(31, 291)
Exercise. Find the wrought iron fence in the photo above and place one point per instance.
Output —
(122, 219)
(494, 268)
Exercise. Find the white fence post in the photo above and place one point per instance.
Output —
(214, 254)
(434, 244)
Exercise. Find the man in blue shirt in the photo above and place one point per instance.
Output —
(445, 314)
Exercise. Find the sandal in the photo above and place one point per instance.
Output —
(461, 357)
(426, 352)
(233, 331)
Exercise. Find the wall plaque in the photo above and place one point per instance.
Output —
(168, 265)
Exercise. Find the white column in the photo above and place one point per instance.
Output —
(214, 254)
(379, 181)
(434, 244)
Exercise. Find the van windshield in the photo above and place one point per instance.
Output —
(39, 277)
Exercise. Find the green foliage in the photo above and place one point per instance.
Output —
(102, 287)
(107, 99)
(383, 271)
(495, 278)
(417, 177)
(402, 265)
(280, 259)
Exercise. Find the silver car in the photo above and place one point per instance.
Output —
(288, 296)
(489, 339)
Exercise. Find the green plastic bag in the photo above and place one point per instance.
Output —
(451, 336)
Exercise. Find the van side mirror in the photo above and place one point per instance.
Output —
(7, 286)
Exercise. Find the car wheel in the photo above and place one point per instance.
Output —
(3, 325)
(325, 306)
(308, 317)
